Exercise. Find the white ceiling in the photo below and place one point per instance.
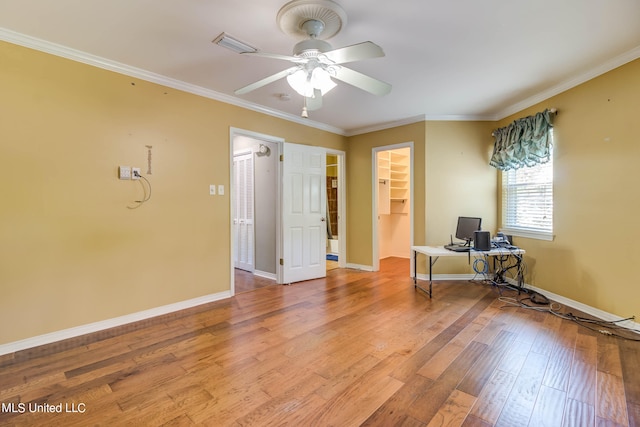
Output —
(450, 60)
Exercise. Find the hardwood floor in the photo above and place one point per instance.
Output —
(356, 348)
(246, 282)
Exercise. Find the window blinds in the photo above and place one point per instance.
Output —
(527, 199)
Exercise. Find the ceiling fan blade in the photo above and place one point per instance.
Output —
(356, 52)
(265, 81)
(362, 81)
(314, 102)
(276, 56)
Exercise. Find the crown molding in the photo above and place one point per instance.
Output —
(387, 125)
(421, 118)
(96, 61)
(609, 65)
(117, 67)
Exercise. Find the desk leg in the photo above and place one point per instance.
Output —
(415, 269)
(520, 276)
(431, 262)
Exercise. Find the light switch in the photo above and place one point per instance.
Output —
(212, 189)
(124, 172)
(220, 190)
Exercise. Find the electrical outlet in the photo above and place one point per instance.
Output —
(212, 189)
(124, 172)
(220, 190)
(135, 173)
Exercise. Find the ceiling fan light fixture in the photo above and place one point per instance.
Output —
(231, 43)
(305, 82)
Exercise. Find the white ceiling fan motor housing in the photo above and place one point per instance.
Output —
(310, 47)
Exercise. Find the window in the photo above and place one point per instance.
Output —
(527, 201)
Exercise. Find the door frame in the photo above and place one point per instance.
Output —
(342, 201)
(374, 197)
(234, 132)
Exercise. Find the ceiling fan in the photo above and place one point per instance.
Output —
(316, 63)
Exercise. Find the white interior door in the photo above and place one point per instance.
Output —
(244, 212)
(304, 203)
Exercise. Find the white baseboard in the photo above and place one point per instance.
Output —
(109, 323)
(630, 324)
(264, 274)
(158, 311)
(447, 277)
(555, 297)
(360, 267)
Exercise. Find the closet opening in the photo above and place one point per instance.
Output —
(393, 207)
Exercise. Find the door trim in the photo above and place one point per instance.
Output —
(374, 197)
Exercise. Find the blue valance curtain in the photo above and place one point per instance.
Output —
(525, 142)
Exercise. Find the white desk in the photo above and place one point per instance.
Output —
(435, 252)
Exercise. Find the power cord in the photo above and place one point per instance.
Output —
(604, 327)
(540, 302)
(484, 269)
(146, 197)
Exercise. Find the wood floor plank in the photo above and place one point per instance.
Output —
(370, 391)
(610, 404)
(586, 350)
(484, 367)
(582, 384)
(289, 401)
(472, 421)
(443, 358)
(519, 406)
(515, 358)
(579, 414)
(558, 372)
(393, 411)
(549, 407)
(609, 356)
(340, 382)
(629, 362)
(422, 356)
(425, 407)
(634, 413)
(493, 397)
(453, 411)
(354, 348)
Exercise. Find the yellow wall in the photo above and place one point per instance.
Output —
(332, 160)
(71, 253)
(460, 182)
(596, 196)
(359, 187)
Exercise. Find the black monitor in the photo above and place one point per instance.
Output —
(466, 228)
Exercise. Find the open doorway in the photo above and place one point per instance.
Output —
(336, 232)
(254, 210)
(262, 155)
(393, 202)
